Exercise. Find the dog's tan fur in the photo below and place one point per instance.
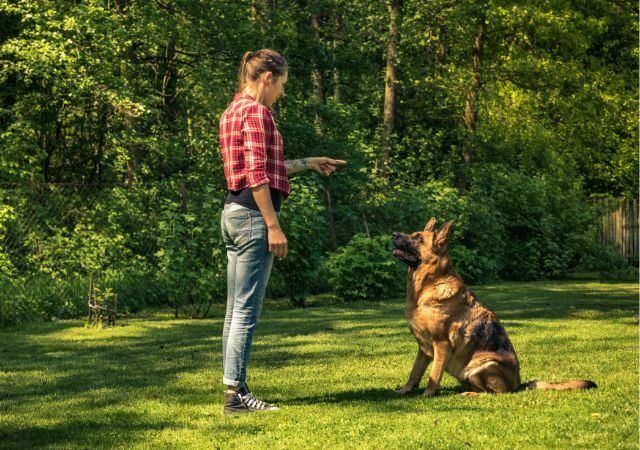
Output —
(454, 331)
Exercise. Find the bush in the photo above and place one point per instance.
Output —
(15, 306)
(365, 270)
(603, 259)
(536, 226)
(303, 220)
(472, 267)
(509, 225)
(406, 208)
(41, 297)
(191, 259)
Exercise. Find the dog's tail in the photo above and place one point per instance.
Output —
(559, 385)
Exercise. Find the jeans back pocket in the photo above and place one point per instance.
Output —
(238, 226)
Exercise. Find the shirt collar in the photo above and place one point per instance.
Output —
(240, 95)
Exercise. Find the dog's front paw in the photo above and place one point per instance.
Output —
(403, 390)
(429, 392)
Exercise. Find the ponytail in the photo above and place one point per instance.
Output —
(256, 63)
(242, 74)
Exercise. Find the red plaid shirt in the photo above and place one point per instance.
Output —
(252, 148)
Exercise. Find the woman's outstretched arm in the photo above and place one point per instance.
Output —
(320, 164)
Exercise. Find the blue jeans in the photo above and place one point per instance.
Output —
(248, 268)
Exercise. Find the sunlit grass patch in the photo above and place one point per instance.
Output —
(154, 381)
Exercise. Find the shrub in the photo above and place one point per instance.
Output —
(408, 208)
(365, 270)
(41, 297)
(603, 259)
(536, 227)
(191, 262)
(303, 221)
(472, 267)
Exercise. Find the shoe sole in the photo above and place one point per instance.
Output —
(236, 411)
(246, 411)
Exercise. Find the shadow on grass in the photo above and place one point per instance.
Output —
(383, 400)
(378, 395)
(558, 300)
(146, 359)
(81, 433)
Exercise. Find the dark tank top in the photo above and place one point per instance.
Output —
(244, 197)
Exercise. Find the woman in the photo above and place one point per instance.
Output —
(257, 179)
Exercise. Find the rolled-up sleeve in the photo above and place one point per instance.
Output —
(257, 131)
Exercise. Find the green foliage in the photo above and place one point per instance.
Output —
(103, 307)
(539, 227)
(191, 261)
(128, 94)
(408, 208)
(15, 306)
(600, 258)
(7, 268)
(41, 297)
(136, 242)
(558, 86)
(303, 219)
(364, 270)
(473, 267)
(603, 259)
(511, 225)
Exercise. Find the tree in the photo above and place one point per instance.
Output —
(395, 17)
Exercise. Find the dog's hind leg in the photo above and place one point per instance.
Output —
(470, 389)
(491, 378)
(419, 367)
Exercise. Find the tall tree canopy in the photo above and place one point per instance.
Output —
(125, 90)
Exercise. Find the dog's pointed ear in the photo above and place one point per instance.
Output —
(442, 235)
(430, 224)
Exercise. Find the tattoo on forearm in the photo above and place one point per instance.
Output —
(296, 165)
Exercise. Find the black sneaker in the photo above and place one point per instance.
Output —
(244, 402)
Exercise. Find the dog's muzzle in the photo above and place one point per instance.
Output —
(403, 250)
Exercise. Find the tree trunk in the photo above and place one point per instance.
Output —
(101, 123)
(337, 36)
(131, 162)
(316, 77)
(390, 84)
(442, 49)
(471, 107)
(319, 99)
(170, 82)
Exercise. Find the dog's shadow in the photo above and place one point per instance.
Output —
(376, 395)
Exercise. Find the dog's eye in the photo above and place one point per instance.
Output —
(418, 237)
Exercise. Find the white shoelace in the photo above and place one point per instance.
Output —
(253, 402)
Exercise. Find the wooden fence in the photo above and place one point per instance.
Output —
(619, 225)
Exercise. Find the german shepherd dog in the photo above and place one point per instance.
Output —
(452, 328)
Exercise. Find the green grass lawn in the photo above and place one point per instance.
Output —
(154, 382)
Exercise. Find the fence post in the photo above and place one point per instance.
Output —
(619, 226)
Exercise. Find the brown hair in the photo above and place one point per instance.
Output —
(256, 63)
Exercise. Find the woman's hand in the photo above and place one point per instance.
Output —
(277, 241)
(324, 165)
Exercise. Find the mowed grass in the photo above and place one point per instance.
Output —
(154, 382)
